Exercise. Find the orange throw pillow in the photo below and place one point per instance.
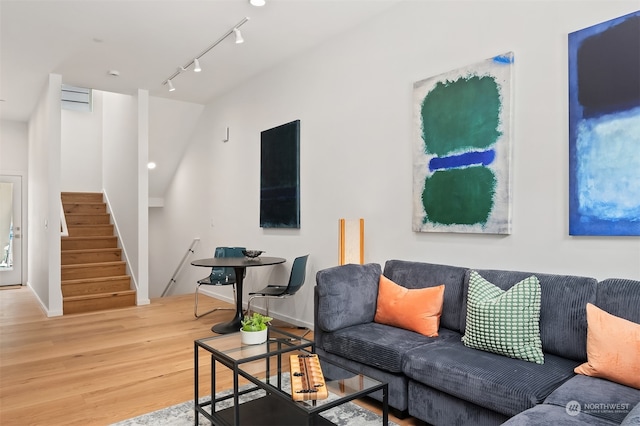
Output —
(417, 310)
(613, 348)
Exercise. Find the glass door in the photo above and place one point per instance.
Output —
(10, 230)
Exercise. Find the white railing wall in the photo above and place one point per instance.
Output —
(64, 231)
(120, 241)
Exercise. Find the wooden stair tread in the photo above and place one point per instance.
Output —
(81, 197)
(105, 229)
(88, 242)
(97, 255)
(91, 204)
(88, 219)
(83, 203)
(95, 286)
(99, 296)
(92, 250)
(96, 279)
(94, 265)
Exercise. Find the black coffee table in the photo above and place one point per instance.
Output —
(264, 368)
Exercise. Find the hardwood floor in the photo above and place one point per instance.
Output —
(101, 367)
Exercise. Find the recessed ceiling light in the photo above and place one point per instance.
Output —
(257, 2)
(151, 165)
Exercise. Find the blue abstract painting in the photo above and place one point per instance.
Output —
(604, 128)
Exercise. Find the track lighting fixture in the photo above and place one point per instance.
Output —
(196, 60)
(238, 34)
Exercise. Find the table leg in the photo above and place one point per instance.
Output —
(195, 384)
(234, 325)
(385, 405)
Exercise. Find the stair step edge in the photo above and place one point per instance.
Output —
(89, 225)
(89, 238)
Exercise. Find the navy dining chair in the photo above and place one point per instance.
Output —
(219, 276)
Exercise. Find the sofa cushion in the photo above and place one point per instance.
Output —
(440, 408)
(597, 397)
(347, 295)
(613, 348)
(563, 318)
(504, 321)
(421, 274)
(417, 309)
(546, 415)
(378, 345)
(633, 418)
(620, 297)
(496, 382)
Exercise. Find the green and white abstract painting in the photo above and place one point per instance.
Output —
(462, 150)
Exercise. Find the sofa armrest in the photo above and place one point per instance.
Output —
(347, 295)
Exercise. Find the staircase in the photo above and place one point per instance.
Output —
(93, 273)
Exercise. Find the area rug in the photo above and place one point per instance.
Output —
(348, 414)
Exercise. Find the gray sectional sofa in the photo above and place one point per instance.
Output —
(443, 382)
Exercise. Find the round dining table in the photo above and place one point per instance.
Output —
(239, 264)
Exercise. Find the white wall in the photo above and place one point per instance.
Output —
(353, 96)
(120, 170)
(44, 198)
(172, 124)
(13, 147)
(142, 120)
(81, 155)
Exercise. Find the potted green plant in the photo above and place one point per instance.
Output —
(254, 329)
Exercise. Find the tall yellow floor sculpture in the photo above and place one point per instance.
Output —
(351, 241)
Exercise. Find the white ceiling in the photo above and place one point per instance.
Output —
(147, 40)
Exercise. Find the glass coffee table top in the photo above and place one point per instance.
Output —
(229, 347)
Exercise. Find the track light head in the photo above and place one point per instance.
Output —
(238, 34)
(171, 88)
(196, 65)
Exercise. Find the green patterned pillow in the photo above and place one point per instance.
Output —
(504, 322)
